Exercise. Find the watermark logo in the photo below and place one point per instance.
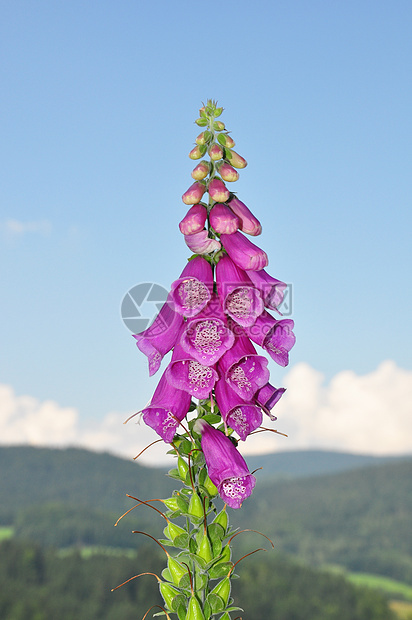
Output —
(141, 304)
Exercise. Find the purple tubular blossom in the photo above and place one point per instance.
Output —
(248, 222)
(272, 290)
(244, 417)
(226, 467)
(161, 336)
(194, 220)
(223, 220)
(166, 410)
(243, 252)
(243, 369)
(201, 243)
(239, 298)
(267, 397)
(206, 337)
(185, 373)
(193, 290)
(276, 337)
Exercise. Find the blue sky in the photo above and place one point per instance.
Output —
(98, 107)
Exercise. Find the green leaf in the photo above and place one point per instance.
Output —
(216, 603)
(219, 570)
(212, 418)
(181, 541)
(216, 532)
(178, 601)
(166, 575)
(222, 139)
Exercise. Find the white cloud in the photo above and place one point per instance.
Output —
(369, 414)
(16, 228)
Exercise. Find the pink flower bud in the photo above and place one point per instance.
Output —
(235, 159)
(243, 252)
(218, 191)
(197, 152)
(215, 152)
(194, 194)
(223, 220)
(194, 220)
(248, 222)
(225, 140)
(201, 171)
(200, 243)
(227, 172)
(203, 137)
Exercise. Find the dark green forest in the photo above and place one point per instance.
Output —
(61, 506)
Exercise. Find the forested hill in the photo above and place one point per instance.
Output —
(359, 518)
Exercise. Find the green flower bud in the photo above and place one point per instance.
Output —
(194, 610)
(222, 519)
(205, 549)
(203, 137)
(172, 530)
(218, 126)
(195, 506)
(217, 112)
(235, 159)
(171, 503)
(223, 589)
(168, 592)
(202, 122)
(183, 468)
(210, 487)
(176, 569)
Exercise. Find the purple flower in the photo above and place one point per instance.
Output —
(161, 336)
(206, 337)
(244, 417)
(185, 373)
(226, 467)
(272, 290)
(166, 410)
(201, 243)
(243, 252)
(248, 222)
(194, 220)
(192, 291)
(243, 369)
(267, 397)
(239, 298)
(223, 220)
(276, 337)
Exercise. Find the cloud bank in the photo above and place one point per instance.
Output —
(17, 228)
(368, 414)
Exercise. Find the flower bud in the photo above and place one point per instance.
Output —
(168, 592)
(248, 222)
(227, 172)
(183, 467)
(218, 191)
(202, 122)
(235, 159)
(218, 126)
(223, 220)
(205, 549)
(195, 506)
(203, 137)
(201, 243)
(217, 112)
(197, 152)
(201, 171)
(223, 589)
(222, 519)
(210, 487)
(194, 220)
(225, 140)
(194, 193)
(194, 610)
(215, 152)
